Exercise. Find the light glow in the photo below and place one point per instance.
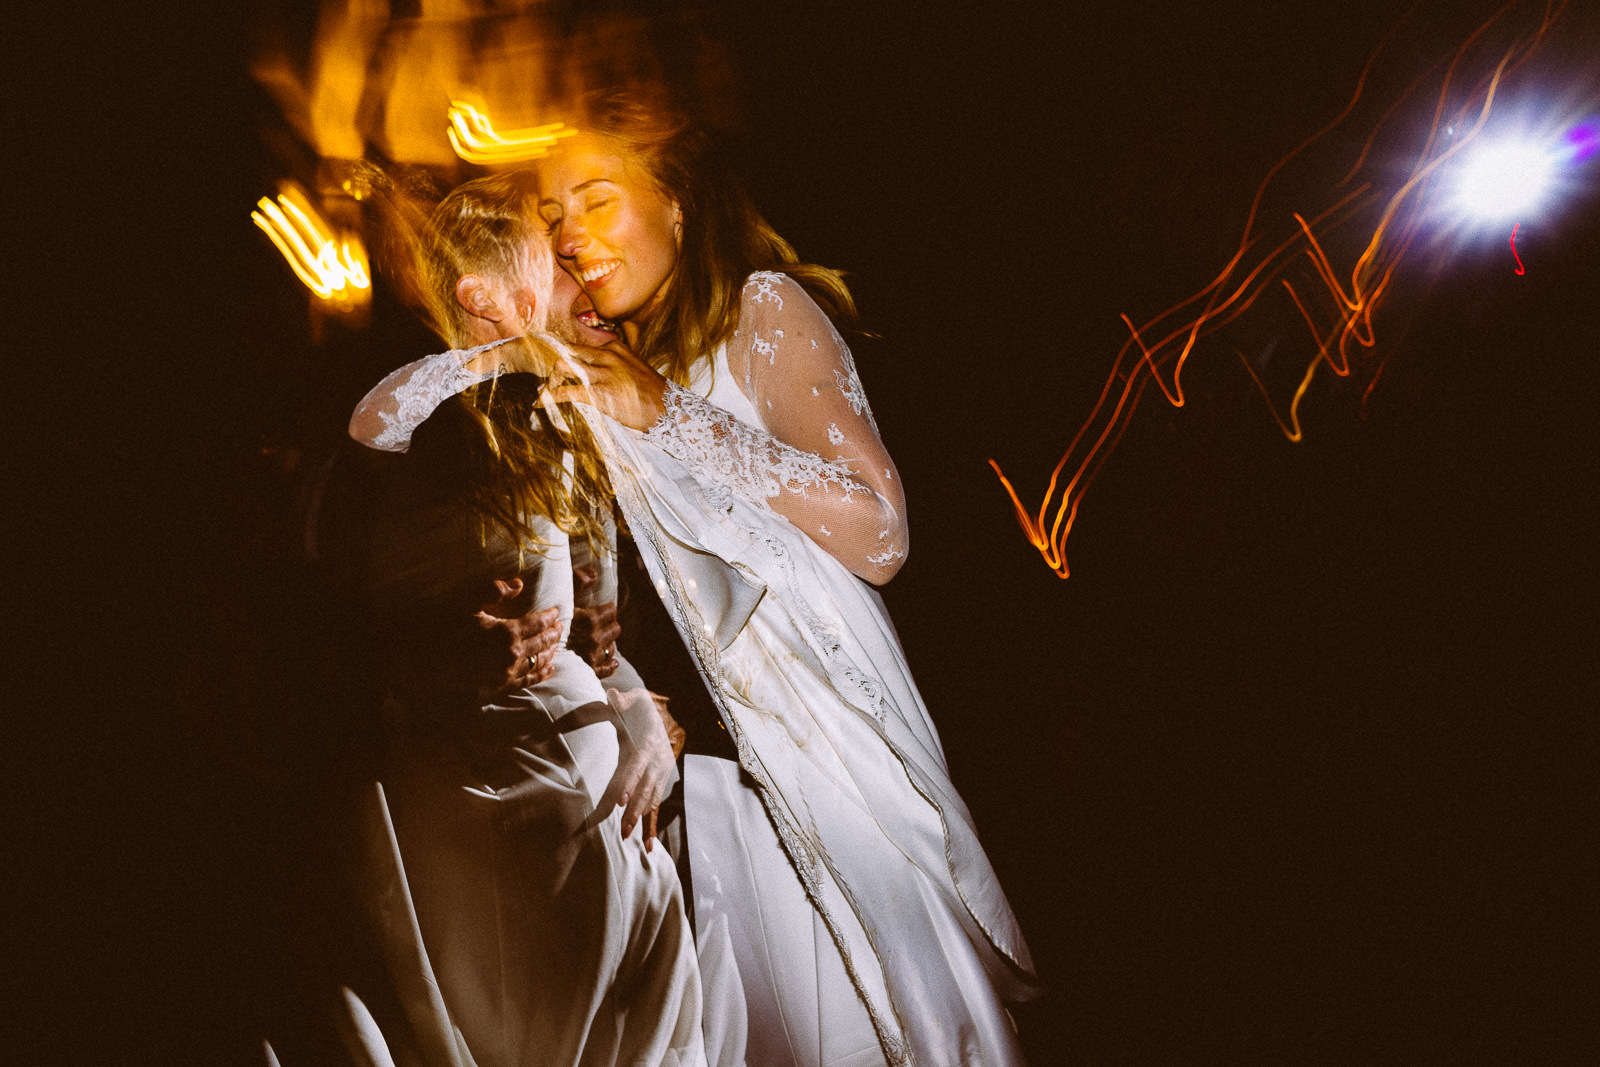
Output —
(334, 268)
(1584, 139)
(475, 140)
(1505, 180)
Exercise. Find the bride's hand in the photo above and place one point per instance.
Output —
(612, 379)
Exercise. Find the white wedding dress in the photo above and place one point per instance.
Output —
(845, 781)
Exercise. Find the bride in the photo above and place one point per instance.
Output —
(865, 923)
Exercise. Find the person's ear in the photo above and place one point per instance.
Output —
(677, 223)
(527, 303)
(477, 298)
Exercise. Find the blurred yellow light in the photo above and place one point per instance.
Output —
(336, 271)
(473, 137)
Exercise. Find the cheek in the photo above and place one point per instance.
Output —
(660, 241)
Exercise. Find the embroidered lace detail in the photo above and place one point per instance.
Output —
(835, 435)
(883, 559)
(766, 348)
(764, 282)
(729, 456)
(889, 554)
(430, 380)
(850, 386)
(849, 383)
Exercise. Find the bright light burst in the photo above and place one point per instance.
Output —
(1505, 180)
(334, 269)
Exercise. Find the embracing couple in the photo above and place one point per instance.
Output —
(630, 338)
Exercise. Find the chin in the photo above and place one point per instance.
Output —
(616, 306)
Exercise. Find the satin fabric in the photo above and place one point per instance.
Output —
(522, 928)
(809, 676)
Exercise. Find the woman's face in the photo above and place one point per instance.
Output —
(612, 231)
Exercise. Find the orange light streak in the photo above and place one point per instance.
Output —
(335, 269)
(1356, 299)
(475, 140)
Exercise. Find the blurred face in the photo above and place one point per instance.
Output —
(572, 314)
(611, 230)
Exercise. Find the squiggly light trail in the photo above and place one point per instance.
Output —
(1164, 344)
(334, 269)
(475, 140)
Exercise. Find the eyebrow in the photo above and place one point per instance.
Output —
(580, 187)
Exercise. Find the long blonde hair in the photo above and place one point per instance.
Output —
(725, 238)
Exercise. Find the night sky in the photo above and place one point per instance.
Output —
(1288, 771)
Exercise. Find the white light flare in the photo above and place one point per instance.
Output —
(1505, 180)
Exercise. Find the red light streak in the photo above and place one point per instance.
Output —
(1166, 342)
(1514, 248)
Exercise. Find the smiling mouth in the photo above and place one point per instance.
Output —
(600, 271)
(593, 321)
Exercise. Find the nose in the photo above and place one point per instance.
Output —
(571, 237)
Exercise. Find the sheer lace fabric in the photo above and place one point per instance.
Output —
(813, 453)
(387, 415)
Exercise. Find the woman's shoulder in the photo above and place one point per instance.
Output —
(769, 287)
(770, 294)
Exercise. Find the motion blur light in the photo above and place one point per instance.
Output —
(1504, 180)
(334, 269)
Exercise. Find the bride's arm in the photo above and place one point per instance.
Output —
(385, 418)
(822, 466)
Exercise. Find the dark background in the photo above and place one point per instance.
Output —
(1290, 770)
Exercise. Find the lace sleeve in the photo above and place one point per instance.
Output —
(386, 417)
(820, 462)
